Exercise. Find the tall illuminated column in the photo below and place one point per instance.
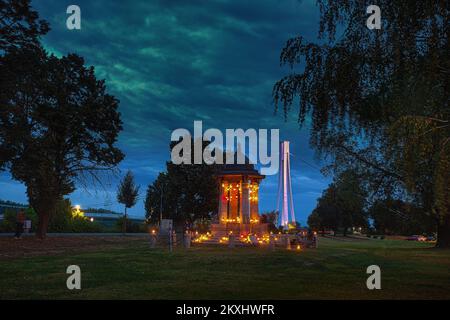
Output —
(285, 187)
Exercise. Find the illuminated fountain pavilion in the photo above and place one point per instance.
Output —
(238, 201)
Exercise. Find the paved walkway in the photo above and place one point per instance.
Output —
(116, 234)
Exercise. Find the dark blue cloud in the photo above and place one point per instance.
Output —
(173, 62)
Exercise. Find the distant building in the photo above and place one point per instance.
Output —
(4, 206)
(104, 217)
(110, 219)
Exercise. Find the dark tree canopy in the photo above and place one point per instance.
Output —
(128, 192)
(342, 205)
(189, 193)
(396, 217)
(57, 123)
(19, 25)
(378, 99)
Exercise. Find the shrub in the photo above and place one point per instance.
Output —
(60, 220)
(65, 219)
(132, 227)
(82, 224)
(9, 220)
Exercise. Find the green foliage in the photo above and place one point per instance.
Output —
(65, 138)
(8, 223)
(188, 193)
(395, 217)
(57, 122)
(84, 225)
(30, 214)
(379, 99)
(9, 220)
(341, 205)
(127, 194)
(127, 191)
(19, 13)
(271, 218)
(202, 225)
(63, 220)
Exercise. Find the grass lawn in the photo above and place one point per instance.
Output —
(336, 270)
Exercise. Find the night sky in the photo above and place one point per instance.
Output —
(172, 62)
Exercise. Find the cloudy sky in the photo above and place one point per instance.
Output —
(172, 62)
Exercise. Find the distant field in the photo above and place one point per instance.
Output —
(130, 270)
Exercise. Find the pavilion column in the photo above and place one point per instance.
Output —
(245, 202)
(220, 209)
(254, 206)
(227, 216)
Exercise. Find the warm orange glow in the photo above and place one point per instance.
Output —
(202, 237)
(231, 220)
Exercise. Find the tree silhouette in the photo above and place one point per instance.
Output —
(188, 192)
(127, 194)
(20, 26)
(57, 125)
(341, 205)
(379, 99)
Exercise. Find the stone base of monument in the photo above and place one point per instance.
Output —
(224, 229)
(220, 233)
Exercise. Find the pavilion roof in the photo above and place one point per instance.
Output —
(246, 169)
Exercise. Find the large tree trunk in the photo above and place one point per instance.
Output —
(44, 209)
(45, 206)
(44, 218)
(443, 233)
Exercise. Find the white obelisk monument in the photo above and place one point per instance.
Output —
(285, 187)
